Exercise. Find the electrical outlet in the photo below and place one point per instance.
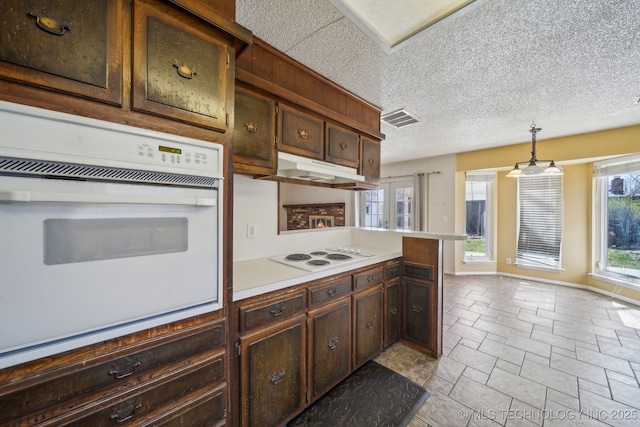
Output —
(508, 260)
(251, 231)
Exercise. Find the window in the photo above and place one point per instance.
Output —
(617, 204)
(539, 222)
(478, 211)
(396, 211)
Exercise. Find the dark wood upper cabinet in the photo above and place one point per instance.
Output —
(70, 47)
(370, 161)
(342, 146)
(179, 67)
(254, 133)
(300, 133)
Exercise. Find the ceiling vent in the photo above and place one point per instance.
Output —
(399, 118)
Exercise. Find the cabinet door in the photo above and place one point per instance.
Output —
(179, 67)
(254, 133)
(367, 325)
(370, 162)
(72, 47)
(391, 312)
(329, 346)
(419, 325)
(300, 133)
(342, 146)
(273, 385)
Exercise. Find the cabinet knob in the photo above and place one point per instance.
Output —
(277, 377)
(332, 291)
(251, 127)
(49, 25)
(343, 146)
(371, 278)
(184, 70)
(393, 311)
(371, 162)
(333, 343)
(277, 310)
(369, 324)
(128, 365)
(125, 412)
(303, 133)
(417, 308)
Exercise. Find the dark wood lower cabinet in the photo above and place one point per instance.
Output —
(274, 378)
(392, 312)
(329, 346)
(422, 294)
(367, 325)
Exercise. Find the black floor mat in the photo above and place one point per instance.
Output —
(372, 396)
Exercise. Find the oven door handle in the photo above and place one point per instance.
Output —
(46, 197)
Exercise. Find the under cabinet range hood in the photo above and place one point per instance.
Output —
(298, 167)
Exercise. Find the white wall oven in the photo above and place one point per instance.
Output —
(105, 229)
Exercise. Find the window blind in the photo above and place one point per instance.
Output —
(540, 221)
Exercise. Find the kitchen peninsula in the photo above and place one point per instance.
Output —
(298, 333)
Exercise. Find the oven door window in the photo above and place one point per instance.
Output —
(94, 239)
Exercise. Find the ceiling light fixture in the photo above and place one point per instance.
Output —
(532, 168)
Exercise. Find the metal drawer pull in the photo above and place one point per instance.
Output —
(371, 278)
(49, 25)
(277, 310)
(417, 308)
(131, 412)
(370, 324)
(251, 127)
(393, 271)
(371, 162)
(129, 364)
(303, 133)
(343, 146)
(184, 70)
(333, 343)
(394, 311)
(277, 377)
(332, 291)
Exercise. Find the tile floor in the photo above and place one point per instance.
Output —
(522, 353)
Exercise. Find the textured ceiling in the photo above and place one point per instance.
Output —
(478, 80)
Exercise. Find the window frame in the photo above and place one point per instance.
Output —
(489, 178)
(603, 170)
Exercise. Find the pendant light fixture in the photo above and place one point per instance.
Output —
(533, 168)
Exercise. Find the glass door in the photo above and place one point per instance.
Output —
(389, 206)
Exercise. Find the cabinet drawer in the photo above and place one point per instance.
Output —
(72, 47)
(266, 312)
(391, 271)
(329, 291)
(300, 133)
(423, 272)
(205, 410)
(368, 278)
(120, 371)
(342, 146)
(140, 402)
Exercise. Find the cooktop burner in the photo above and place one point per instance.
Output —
(321, 259)
(338, 257)
(297, 257)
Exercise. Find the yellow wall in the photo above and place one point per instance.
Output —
(577, 154)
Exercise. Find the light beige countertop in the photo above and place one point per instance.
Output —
(262, 275)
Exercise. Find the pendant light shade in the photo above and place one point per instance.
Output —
(533, 168)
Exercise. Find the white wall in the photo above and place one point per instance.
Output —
(440, 196)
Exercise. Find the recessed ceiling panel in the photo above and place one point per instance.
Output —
(391, 23)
